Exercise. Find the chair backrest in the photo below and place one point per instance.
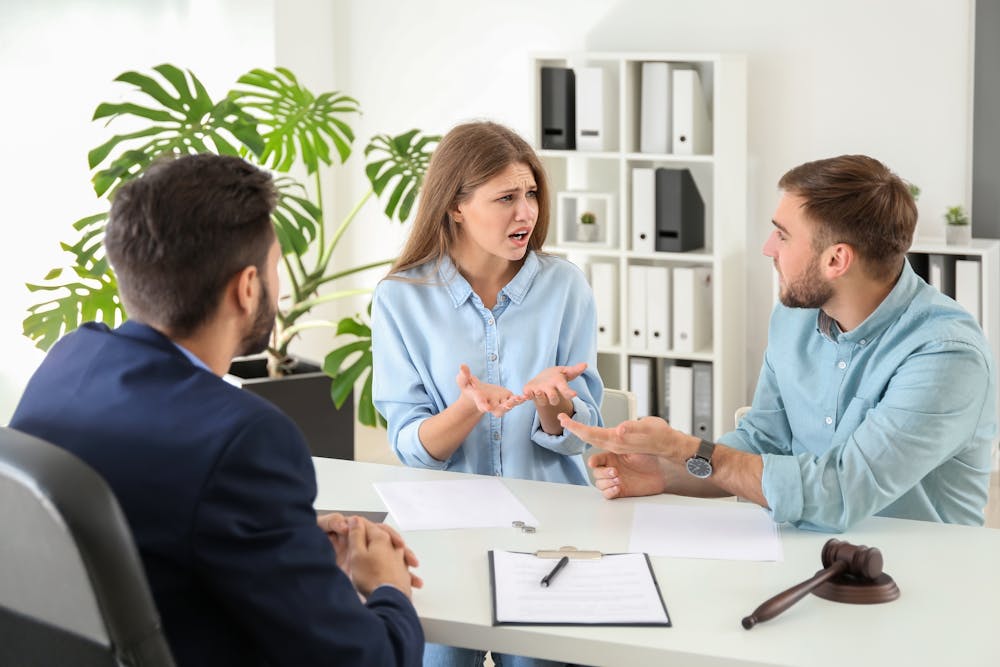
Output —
(72, 587)
(618, 405)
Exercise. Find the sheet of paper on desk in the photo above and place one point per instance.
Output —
(729, 531)
(460, 503)
(616, 589)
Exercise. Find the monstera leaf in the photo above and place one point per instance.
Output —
(400, 161)
(349, 362)
(93, 295)
(298, 123)
(184, 120)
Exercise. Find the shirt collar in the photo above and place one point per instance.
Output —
(886, 313)
(460, 289)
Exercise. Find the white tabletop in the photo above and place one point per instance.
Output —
(947, 614)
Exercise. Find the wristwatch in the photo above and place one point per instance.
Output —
(700, 465)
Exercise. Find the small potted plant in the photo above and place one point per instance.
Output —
(957, 228)
(587, 229)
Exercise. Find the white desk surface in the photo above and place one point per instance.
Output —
(948, 612)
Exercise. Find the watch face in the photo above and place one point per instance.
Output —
(699, 467)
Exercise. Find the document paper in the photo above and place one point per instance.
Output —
(729, 531)
(617, 589)
(460, 503)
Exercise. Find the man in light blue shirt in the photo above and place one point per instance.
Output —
(877, 395)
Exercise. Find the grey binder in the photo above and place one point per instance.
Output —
(680, 211)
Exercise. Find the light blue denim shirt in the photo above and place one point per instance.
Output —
(895, 418)
(421, 332)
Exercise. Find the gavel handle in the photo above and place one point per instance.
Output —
(782, 601)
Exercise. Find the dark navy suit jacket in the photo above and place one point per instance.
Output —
(218, 487)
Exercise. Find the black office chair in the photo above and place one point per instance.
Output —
(72, 588)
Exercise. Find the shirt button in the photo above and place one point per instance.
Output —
(496, 436)
(828, 420)
(493, 357)
(842, 365)
(490, 321)
(862, 342)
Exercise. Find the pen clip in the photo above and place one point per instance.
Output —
(569, 552)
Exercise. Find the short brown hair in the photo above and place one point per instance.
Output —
(857, 200)
(468, 156)
(181, 230)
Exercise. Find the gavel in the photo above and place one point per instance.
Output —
(860, 563)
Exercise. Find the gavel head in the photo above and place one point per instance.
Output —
(861, 561)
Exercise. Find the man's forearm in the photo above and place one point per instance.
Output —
(734, 473)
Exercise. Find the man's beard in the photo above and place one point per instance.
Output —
(809, 291)
(256, 338)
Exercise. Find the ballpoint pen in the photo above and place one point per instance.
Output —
(547, 579)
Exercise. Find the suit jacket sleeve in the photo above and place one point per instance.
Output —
(257, 545)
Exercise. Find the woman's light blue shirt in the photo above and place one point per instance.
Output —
(423, 331)
(895, 418)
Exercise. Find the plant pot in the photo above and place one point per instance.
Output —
(586, 233)
(305, 397)
(958, 234)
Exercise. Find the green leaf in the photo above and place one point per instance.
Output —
(399, 162)
(189, 118)
(296, 219)
(299, 125)
(353, 327)
(367, 414)
(335, 359)
(342, 385)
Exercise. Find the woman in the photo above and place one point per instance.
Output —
(472, 321)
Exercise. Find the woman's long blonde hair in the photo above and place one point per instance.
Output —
(468, 156)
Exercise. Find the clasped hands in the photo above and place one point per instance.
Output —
(371, 554)
(549, 387)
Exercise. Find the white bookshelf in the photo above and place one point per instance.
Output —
(987, 253)
(721, 178)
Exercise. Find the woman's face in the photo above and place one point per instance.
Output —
(498, 218)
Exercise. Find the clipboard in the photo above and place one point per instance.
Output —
(594, 588)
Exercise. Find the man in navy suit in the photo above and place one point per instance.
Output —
(217, 484)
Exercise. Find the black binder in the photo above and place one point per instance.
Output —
(680, 211)
(558, 108)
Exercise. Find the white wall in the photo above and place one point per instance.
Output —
(57, 62)
(885, 77)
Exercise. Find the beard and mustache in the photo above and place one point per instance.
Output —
(809, 291)
(258, 334)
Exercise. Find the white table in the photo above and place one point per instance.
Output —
(949, 577)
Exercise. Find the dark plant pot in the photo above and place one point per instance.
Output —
(305, 397)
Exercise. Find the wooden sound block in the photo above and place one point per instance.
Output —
(857, 590)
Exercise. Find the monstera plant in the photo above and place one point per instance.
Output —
(270, 119)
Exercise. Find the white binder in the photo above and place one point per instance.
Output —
(701, 393)
(658, 298)
(641, 383)
(692, 322)
(681, 397)
(636, 336)
(655, 108)
(591, 133)
(604, 280)
(692, 129)
(941, 269)
(643, 209)
(968, 287)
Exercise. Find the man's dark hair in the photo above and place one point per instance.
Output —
(180, 231)
(857, 200)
